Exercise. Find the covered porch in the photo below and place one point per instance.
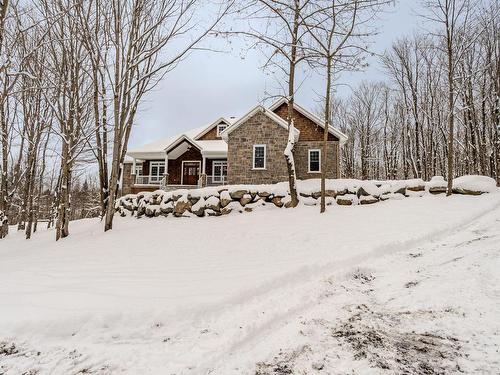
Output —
(185, 164)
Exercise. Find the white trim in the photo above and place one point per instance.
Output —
(182, 170)
(273, 116)
(311, 116)
(133, 166)
(158, 164)
(265, 158)
(221, 163)
(309, 160)
(177, 142)
(137, 168)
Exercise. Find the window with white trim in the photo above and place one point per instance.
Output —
(259, 156)
(219, 170)
(314, 161)
(220, 128)
(156, 171)
(138, 170)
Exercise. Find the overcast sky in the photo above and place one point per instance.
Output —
(208, 85)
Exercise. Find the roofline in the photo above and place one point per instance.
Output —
(318, 121)
(259, 108)
(181, 138)
(211, 126)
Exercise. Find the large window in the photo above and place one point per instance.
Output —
(219, 171)
(314, 161)
(156, 171)
(259, 157)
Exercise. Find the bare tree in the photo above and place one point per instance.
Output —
(148, 42)
(453, 18)
(339, 30)
(279, 28)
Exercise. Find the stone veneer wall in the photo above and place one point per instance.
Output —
(128, 179)
(259, 129)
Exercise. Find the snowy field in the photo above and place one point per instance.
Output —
(401, 286)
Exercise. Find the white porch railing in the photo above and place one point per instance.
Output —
(161, 181)
(148, 180)
(216, 180)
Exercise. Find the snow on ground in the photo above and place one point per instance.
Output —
(410, 285)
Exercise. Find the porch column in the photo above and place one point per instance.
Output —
(203, 176)
(133, 166)
(165, 173)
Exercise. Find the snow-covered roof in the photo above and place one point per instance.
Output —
(218, 148)
(311, 116)
(156, 149)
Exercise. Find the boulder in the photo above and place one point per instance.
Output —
(210, 212)
(213, 203)
(238, 194)
(225, 198)
(474, 185)
(245, 199)
(277, 201)
(235, 205)
(199, 207)
(193, 200)
(416, 184)
(369, 199)
(167, 207)
(347, 200)
(181, 206)
(437, 189)
(368, 189)
(328, 193)
(153, 210)
(264, 194)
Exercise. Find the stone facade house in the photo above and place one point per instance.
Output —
(248, 150)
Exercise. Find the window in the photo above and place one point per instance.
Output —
(156, 171)
(314, 161)
(259, 157)
(138, 170)
(220, 128)
(219, 171)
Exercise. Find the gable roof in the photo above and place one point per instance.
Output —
(227, 121)
(311, 116)
(259, 108)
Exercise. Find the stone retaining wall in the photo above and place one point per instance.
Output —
(217, 201)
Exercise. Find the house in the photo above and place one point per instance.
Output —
(248, 150)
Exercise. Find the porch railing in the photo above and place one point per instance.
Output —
(161, 182)
(216, 180)
(148, 180)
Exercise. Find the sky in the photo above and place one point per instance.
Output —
(209, 85)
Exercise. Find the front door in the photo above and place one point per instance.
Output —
(190, 173)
